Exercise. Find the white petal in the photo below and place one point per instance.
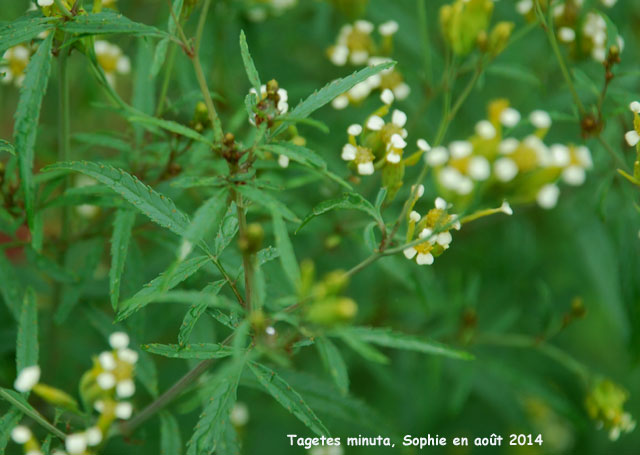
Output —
(479, 168)
(283, 161)
(509, 117)
(419, 190)
(349, 152)
(43, 3)
(450, 177)
(375, 123)
(360, 91)
(76, 443)
(387, 96)
(393, 158)
(124, 410)
(27, 379)
(441, 203)
(465, 186)
(354, 130)
(93, 436)
(239, 414)
(632, 137)
(574, 175)
(365, 168)
(414, 216)
(505, 169)
(540, 119)
(423, 145)
(398, 118)
(359, 57)
(401, 91)
(388, 28)
(424, 259)
(426, 233)
(339, 55)
(485, 130)
(397, 142)
(363, 26)
(584, 156)
(566, 34)
(125, 388)
(106, 381)
(560, 154)
(119, 340)
(124, 65)
(506, 208)
(437, 156)
(508, 146)
(107, 361)
(444, 238)
(410, 252)
(547, 197)
(524, 6)
(128, 355)
(283, 95)
(635, 107)
(340, 102)
(21, 434)
(460, 149)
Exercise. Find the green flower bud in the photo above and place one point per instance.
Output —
(499, 37)
(463, 22)
(56, 397)
(332, 311)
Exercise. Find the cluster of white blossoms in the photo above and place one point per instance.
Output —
(13, 65)
(271, 102)
(434, 228)
(107, 386)
(378, 142)
(605, 404)
(112, 60)
(595, 29)
(355, 46)
(496, 160)
(633, 136)
(259, 10)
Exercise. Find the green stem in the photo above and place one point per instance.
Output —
(165, 82)
(61, 6)
(35, 415)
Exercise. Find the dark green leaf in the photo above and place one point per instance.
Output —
(207, 215)
(171, 126)
(170, 440)
(122, 226)
(249, 66)
(10, 287)
(7, 147)
(264, 198)
(333, 363)
(227, 230)
(352, 201)
(189, 351)
(23, 30)
(108, 23)
(27, 347)
(190, 320)
(285, 248)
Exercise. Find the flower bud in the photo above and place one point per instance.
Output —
(499, 37)
(332, 311)
(56, 397)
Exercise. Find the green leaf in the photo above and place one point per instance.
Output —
(27, 347)
(171, 126)
(333, 363)
(227, 230)
(170, 439)
(351, 201)
(287, 397)
(207, 215)
(190, 320)
(189, 351)
(157, 207)
(23, 30)
(263, 198)
(164, 282)
(388, 338)
(103, 140)
(122, 226)
(285, 248)
(108, 23)
(189, 181)
(221, 396)
(327, 93)
(10, 287)
(364, 349)
(161, 49)
(7, 423)
(7, 147)
(249, 66)
(302, 155)
(27, 118)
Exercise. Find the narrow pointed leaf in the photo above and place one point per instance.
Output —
(285, 248)
(227, 230)
(189, 351)
(249, 66)
(119, 247)
(334, 363)
(349, 201)
(27, 348)
(108, 23)
(23, 30)
(10, 287)
(207, 215)
(171, 126)
(190, 320)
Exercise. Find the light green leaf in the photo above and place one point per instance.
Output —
(249, 66)
(263, 198)
(333, 363)
(108, 23)
(170, 439)
(189, 351)
(285, 248)
(171, 126)
(207, 215)
(164, 282)
(364, 349)
(161, 48)
(27, 348)
(190, 320)
(388, 338)
(227, 230)
(122, 226)
(23, 30)
(352, 201)
(221, 396)
(7, 147)
(287, 397)
(159, 208)
(27, 117)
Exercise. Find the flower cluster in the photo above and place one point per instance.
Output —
(270, 103)
(112, 60)
(526, 168)
(259, 10)
(13, 65)
(105, 388)
(356, 46)
(605, 404)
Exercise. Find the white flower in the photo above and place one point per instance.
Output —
(440, 203)
(419, 190)
(574, 175)
(414, 216)
(424, 259)
(340, 102)
(393, 157)
(124, 410)
(437, 156)
(398, 118)
(119, 340)
(388, 28)
(365, 168)
(354, 130)
(128, 355)
(547, 197)
(239, 414)
(567, 34)
(27, 379)
(360, 91)
(540, 119)
(479, 168)
(21, 434)
(106, 381)
(423, 145)
(363, 26)
(375, 123)
(635, 107)
(271, 331)
(560, 154)
(508, 146)
(283, 161)
(506, 208)
(425, 233)
(509, 117)
(76, 443)
(359, 57)
(125, 388)
(396, 142)
(44, 3)
(387, 96)
(632, 137)
(349, 152)
(107, 361)
(339, 55)
(485, 130)
(460, 149)
(401, 91)
(410, 252)
(524, 6)
(505, 169)
(93, 436)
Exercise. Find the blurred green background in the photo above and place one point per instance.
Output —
(516, 275)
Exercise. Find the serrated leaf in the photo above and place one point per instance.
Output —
(8, 147)
(164, 282)
(103, 140)
(209, 431)
(297, 153)
(108, 23)
(249, 66)
(189, 351)
(352, 201)
(7, 423)
(161, 48)
(285, 248)
(23, 30)
(227, 230)
(171, 126)
(287, 397)
(122, 225)
(189, 322)
(263, 198)
(27, 117)
(10, 287)
(189, 181)
(333, 363)
(170, 439)
(390, 339)
(27, 348)
(157, 207)
(207, 215)
(364, 349)
(50, 267)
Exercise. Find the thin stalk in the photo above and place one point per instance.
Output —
(35, 415)
(165, 81)
(63, 8)
(616, 157)
(247, 262)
